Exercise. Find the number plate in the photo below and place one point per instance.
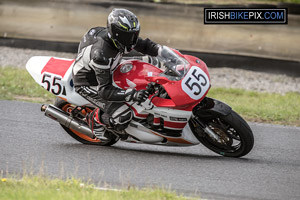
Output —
(52, 84)
(196, 83)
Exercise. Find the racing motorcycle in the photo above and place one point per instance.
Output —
(177, 113)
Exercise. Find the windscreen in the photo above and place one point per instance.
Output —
(173, 64)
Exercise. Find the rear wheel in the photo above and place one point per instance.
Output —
(67, 107)
(235, 136)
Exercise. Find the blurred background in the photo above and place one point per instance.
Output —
(176, 23)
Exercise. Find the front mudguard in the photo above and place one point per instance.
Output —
(211, 108)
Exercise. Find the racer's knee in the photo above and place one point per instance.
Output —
(121, 117)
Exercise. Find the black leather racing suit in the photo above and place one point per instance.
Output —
(97, 57)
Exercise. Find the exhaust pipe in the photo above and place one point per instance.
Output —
(63, 118)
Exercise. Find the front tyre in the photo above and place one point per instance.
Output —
(235, 137)
(67, 107)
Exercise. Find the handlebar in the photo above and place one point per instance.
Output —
(151, 88)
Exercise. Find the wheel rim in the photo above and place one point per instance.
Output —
(229, 139)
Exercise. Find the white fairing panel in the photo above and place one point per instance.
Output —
(188, 135)
(35, 66)
(169, 116)
(143, 134)
(55, 75)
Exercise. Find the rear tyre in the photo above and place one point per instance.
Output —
(67, 107)
(236, 137)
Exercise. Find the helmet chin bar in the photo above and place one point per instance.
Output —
(121, 47)
(116, 43)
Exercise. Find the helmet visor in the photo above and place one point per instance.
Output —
(126, 38)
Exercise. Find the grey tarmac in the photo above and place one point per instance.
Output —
(29, 141)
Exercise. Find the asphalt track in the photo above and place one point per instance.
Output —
(29, 141)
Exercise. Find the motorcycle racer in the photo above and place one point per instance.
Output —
(100, 51)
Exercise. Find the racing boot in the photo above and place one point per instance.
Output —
(98, 128)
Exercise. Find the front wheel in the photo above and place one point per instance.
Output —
(67, 107)
(235, 138)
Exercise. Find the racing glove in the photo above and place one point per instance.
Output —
(137, 96)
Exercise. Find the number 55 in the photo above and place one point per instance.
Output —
(195, 83)
(52, 83)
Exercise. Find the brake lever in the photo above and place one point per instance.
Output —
(155, 95)
(156, 87)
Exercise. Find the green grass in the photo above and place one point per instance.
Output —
(17, 84)
(38, 187)
(262, 107)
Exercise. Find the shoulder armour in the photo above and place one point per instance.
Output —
(99, 57)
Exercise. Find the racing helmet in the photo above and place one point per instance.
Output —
(123, 28)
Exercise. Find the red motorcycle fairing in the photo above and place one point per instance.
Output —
(181, 92)
(194, 61)
(134, 77)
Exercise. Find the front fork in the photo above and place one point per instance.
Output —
(207, 109)
(199, 124)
